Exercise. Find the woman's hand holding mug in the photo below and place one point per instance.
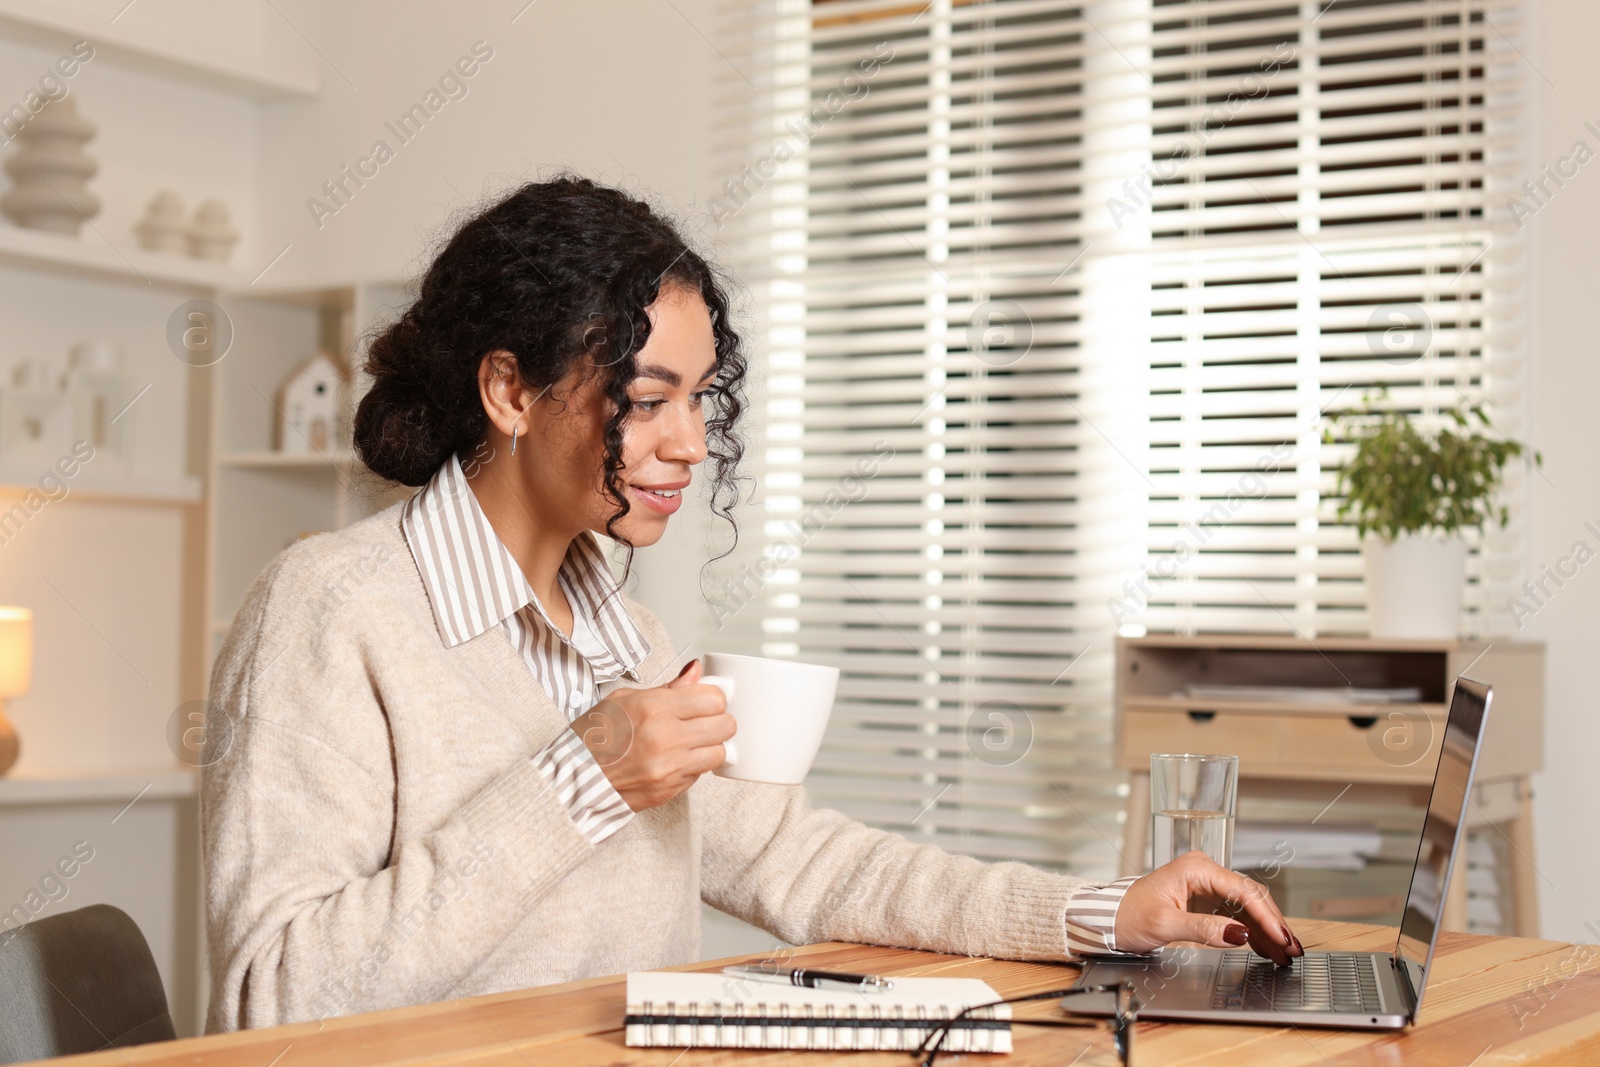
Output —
(654, 743)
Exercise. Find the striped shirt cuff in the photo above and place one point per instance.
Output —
(593, 803)
(1092, 917)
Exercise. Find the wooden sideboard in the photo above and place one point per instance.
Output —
(1335, 751)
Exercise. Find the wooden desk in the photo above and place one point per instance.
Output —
(1482, 989)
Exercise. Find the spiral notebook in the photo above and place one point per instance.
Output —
(682, 1010)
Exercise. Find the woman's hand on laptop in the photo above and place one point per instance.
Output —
(1162, 907)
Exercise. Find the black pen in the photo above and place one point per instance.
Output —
(801, 976)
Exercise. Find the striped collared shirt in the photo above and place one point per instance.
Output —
(474, 584)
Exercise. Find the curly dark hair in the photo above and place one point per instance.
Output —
(555, 272)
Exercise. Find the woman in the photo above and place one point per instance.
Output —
(458, 760)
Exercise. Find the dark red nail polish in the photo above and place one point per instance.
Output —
(1236, 934)
(1288, 938)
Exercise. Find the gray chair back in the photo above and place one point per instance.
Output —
(78, 982)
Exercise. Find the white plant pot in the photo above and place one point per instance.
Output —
(1414, 586)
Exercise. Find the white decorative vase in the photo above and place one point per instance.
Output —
(1414, 586)
(50, 168)
(165, 226)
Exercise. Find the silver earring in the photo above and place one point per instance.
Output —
(513, 440)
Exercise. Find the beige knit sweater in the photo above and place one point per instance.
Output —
(375, 835)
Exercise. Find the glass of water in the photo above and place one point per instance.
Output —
(1192, 799)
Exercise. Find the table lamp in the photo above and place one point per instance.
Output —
(16, 670)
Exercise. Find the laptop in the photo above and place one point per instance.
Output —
(1351, 990)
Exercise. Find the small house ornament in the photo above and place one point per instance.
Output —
(310, 421)
(99, 390)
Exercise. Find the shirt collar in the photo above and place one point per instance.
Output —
(474, 583)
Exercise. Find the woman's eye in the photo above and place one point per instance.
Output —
(648, 405)
(699, 398)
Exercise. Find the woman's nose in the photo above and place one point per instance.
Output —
(685, 439)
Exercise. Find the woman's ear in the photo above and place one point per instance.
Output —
(506, 397)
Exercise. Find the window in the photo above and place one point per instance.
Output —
(1052, 298)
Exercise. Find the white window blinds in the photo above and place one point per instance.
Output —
(1044, 289)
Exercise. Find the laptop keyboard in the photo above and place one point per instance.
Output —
(1320, 981)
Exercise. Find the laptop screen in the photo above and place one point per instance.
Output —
(1447, 807)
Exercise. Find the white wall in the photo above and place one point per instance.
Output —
(1565, 386)
(616, 89)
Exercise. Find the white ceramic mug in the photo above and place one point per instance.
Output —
(781, 708)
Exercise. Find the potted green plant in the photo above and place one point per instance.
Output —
(1413, 493)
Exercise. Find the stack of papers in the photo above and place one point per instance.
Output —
(1326, 846)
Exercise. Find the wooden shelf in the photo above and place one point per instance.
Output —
(97, 786)
(240, 76)
(1265, 707)
(1329, 643)
(88, 255)
(315, 289)
(287, 461)
(102, 485)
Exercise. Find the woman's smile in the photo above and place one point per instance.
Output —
(663, 499)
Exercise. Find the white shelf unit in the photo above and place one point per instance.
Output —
(259, 499)
(262, 500)
(111, 258)
(148, 861)
(30, 22)
(87, 257)
(128, 784)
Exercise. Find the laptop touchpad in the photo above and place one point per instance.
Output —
(1171, 973)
